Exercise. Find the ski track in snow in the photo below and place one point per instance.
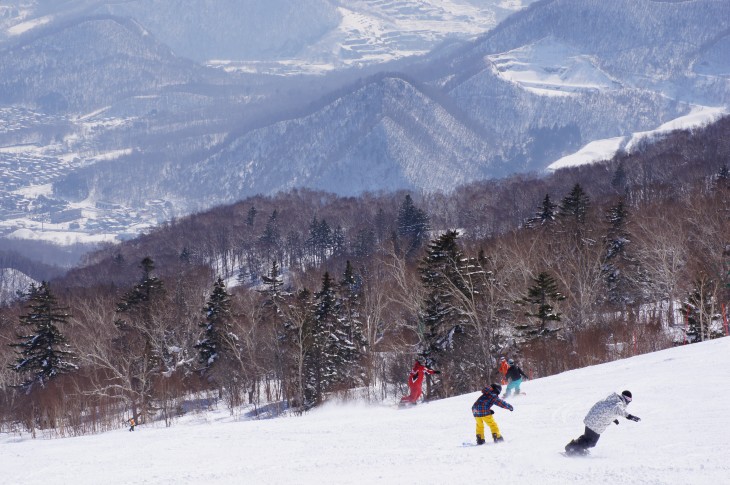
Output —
(680, 394)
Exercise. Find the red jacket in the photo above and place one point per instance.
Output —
(503, 368)
(418, 373)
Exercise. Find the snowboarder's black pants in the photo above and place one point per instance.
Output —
(588, 439)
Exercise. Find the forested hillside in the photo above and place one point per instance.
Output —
(291, 299)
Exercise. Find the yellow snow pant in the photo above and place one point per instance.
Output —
(490, 422)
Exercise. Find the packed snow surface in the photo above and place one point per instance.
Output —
(680, 394)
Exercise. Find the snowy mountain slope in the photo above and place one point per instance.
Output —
(87, 63)
(646, 44)
(605, 149)
(550, 67)
(386, 135)
(552, 92)
(282, 35)
(680, 438)
(550, 79)
(562, 74)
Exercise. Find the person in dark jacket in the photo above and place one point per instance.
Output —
(482, 411)
(514, 378)
(601, 415)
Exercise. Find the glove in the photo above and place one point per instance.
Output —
(511, 408)
(615, 421)
(437, 372)
(633, 418)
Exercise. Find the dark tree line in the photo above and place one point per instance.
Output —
(277, 304)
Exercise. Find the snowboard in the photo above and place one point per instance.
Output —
(511, 396)
(466, 444)
(575, 454)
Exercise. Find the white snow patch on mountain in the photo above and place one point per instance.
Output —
(61, 237)
(592, 152)
(430, 443)
(23, 27)
(599, 150)
(698, 116)
(111, 155)
(551, 68)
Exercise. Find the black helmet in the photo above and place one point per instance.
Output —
(627, 396)
(497, 388)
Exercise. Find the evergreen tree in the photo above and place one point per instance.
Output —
(619, 269)
(338, 241)
(251, 216)
(413, 225)
(43, 354)
(545, 215)
(442, 274)
(365, 242)
(320, 240)
(349, 342)
(722, 178)
(724, 173)
(320, 371)
(137, 314)
(619, 180)
(575, 205)
(541, 296)
(270, 240)
(216, 325)
(273, 311)
(274, 295)
(141, 297)
(273, 284)
(185, 256)
(382, 225)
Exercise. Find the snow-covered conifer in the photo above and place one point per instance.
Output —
(43, 352)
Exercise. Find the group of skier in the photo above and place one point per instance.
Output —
(600, 416)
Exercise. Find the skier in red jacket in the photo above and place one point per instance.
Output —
(503, 368)
(415, 381)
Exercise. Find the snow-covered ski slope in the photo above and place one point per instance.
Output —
(682, 396)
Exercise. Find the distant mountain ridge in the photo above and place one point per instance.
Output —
(330, 33)
(400, 129)
(87, 62)
(149, 135)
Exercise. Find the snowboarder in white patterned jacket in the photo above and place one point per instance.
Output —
(601, 415)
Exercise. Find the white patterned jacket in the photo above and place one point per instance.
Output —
(604, 412)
